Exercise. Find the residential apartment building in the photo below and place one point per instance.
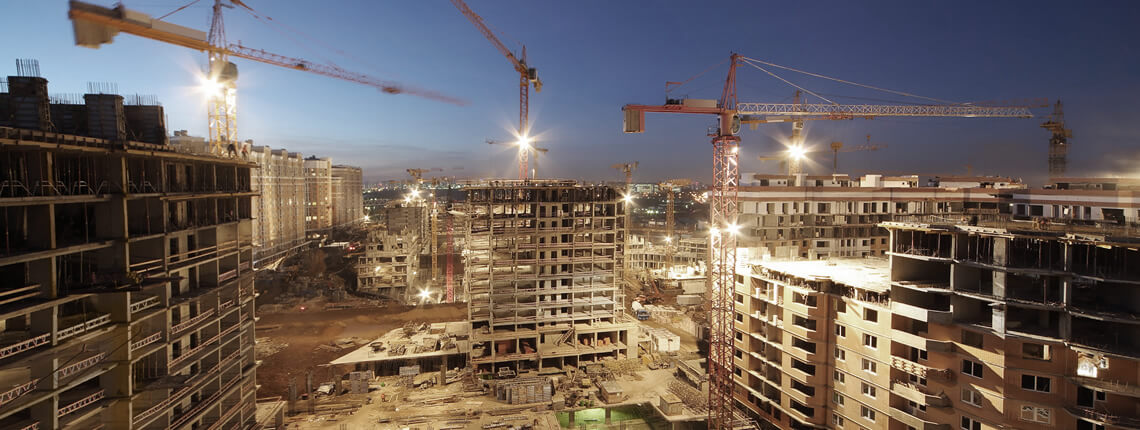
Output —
(540, 271)
(347, 195)
(128, 299)
(813, 346)
(318, 194)
(1019, 324)
(390, 263)
(279, 207)
(803, 216)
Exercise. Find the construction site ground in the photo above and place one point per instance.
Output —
(463, 404)
(293, 342)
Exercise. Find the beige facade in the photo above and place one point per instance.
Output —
(318, 194)
(813, 346)
(541, 275)
(814, 217)
(347, 195)
(1025, 324)
(279, 207)
(128, 286)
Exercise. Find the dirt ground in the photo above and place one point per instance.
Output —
(304, 331)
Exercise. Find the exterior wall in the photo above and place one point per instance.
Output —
(128, 290)
(347, 195)
(804, 354)
(834, 216)
(279, 209)
(541, 275)
(1026, 326)
(318, 194)
(389, 264)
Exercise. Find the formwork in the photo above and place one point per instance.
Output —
(541, 270)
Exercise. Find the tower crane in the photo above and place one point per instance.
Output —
(670, 241)
(95, 25)
(723, 198)
(837, 147)
(1059, 142)
(527, 76)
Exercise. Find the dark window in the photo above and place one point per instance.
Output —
(1035, 383)
(972, 368)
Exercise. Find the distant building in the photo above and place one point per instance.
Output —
(390, 262)
(318, 194)
(279, 208)
(279, 181)
(347, 195)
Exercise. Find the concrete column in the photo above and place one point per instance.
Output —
(45, 370)
(45, 413)
(570, 418)
(1001, 251)
(608, 412)
(45, 321)
(999, 283)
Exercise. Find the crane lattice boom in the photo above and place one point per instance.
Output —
(864, 110)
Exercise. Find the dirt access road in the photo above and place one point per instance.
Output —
(303, 331)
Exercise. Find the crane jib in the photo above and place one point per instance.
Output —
(793, 109)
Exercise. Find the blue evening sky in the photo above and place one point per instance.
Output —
(595, 56)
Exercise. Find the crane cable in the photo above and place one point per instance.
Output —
(270, 22)
(179, 9)
(681, 83)
(750, 61)
(789, 82)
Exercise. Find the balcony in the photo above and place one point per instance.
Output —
(86, 398)
(1106, 418)
(919, 370)
(920, 341)
(81, 365)
(922, 314)
(142, 343)
(182, 326)
(24, 345)
(143, 304)
(16, 392)
(914, 421)
(83, 326)
(918, 394)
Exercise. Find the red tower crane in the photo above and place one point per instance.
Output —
(723, 198)
(527, 77)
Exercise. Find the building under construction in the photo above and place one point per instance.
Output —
(540, 273)
(999, 321)
(128, 299)
(390, 262)
(816, 217)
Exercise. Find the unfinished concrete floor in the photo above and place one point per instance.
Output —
(303, 333)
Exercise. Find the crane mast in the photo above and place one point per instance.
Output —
(724, 198)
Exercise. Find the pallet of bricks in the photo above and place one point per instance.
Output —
(525, 390)
(358, 381)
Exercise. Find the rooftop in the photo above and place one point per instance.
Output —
(872, 274)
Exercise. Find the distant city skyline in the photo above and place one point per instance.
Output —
(595, 57)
